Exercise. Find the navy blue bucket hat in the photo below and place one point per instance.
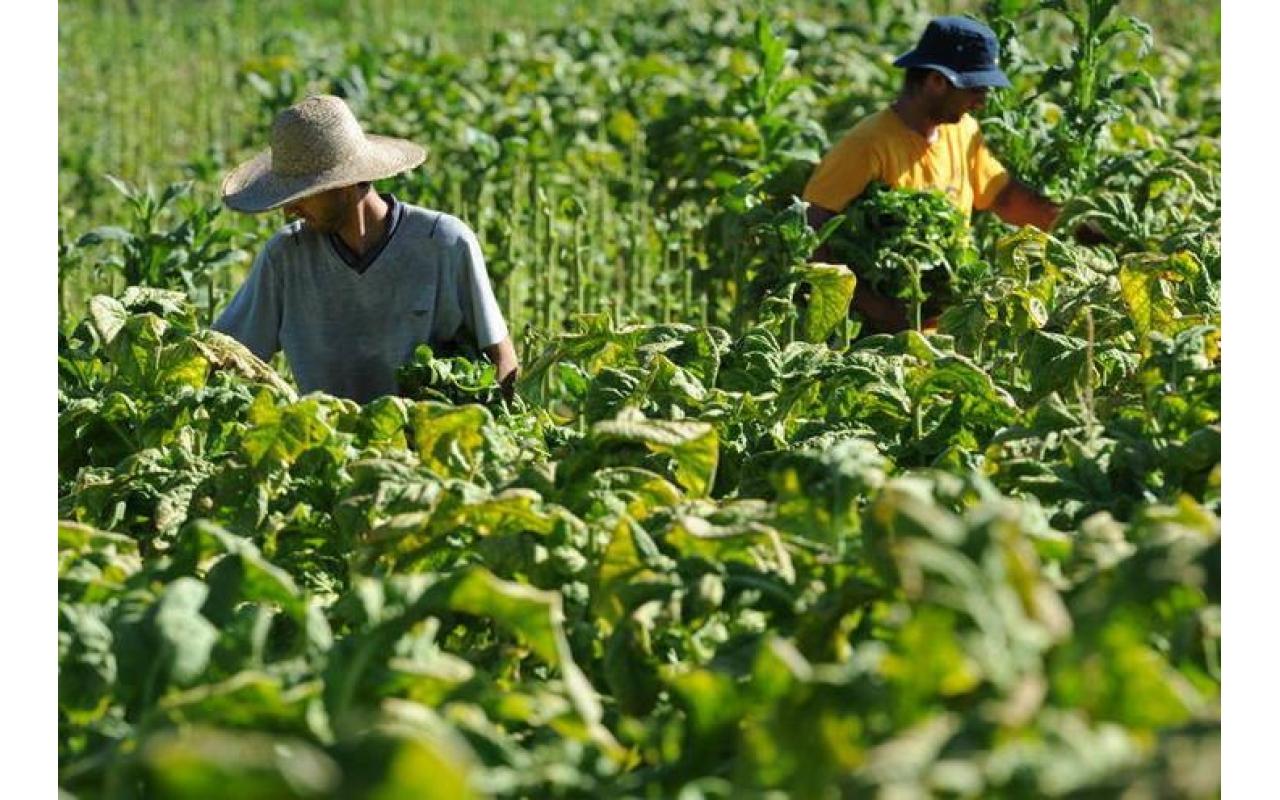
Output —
(964, 50)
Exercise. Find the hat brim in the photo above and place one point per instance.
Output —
(254, 188)
(993, 78)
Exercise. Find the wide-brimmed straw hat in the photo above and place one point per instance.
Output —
(316, 145)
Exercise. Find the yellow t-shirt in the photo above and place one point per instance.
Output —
(882, 147)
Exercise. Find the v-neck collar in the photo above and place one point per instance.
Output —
(361, 263)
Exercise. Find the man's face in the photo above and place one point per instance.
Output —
(324, 212)
(949, 104)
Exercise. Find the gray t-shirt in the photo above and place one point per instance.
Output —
(346, 333)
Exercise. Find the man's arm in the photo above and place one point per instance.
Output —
(1019, 204)
(503, 356)
(883, 314)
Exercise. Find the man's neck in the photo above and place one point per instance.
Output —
(913, 114)
(367, 223)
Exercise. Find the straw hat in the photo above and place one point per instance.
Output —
(316, 145)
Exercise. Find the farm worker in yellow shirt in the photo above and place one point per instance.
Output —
(926, 139)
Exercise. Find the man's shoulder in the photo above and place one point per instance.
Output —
(874, 127)
(967, 127)
(294, 237)
(436, 226)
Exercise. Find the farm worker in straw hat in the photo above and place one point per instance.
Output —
(926, 139)
(359, 279)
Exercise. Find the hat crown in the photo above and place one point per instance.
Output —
(959, 43)
(314, 136)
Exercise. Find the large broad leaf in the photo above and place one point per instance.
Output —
(225, 353)
(241, 573)
(536, 616)
(1055, 362)
(699, 353)
(1143, 279)
(627, 561)
(248, 700)
(185, 637)
(733, 532)
(202, 763)
(832, 287)
(409, 753)
(639, 492)
(391, 608)
(111, 557)
(449, 439)
(279, 434)
(108, 316)
(87, 667)
(135, 347)
(820, 492)
(629, 664)
(713, 706)
(382, 422)
(693, 445)
(181, 364)
(1021, 254)
(404, 536)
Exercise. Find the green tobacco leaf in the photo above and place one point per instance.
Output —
(427, 679)
(629, 664)
(404, 536)
(699, 353)
(87, 667)
(204, 763)
(382, 421)
(832, 288)
(624, 563)
(1142, 277)
(820, 492)
(135, 347)
(94, 565)
(240, 574)
(108, 316)
(693, 445)
(225, 353)
(1055, 361)
(1021, 253)
(712, 705)
(410, 753)
(279, 434)
(185, 636)
(537, 617)
(182, 365)
(83, 538)
(638, 491)
(737, 536)
(167, 303)
(449, 439)
(248, 700)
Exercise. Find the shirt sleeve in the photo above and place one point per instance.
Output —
(253, 316)
(480, 312)
(842, 174)
(988, 175)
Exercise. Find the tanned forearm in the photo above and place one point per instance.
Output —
(503, 356)
(1019, 204)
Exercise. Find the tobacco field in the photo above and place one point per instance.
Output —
(719, 545)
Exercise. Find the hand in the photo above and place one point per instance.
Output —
(507, 383)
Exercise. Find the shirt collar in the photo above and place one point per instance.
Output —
(395, 210)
